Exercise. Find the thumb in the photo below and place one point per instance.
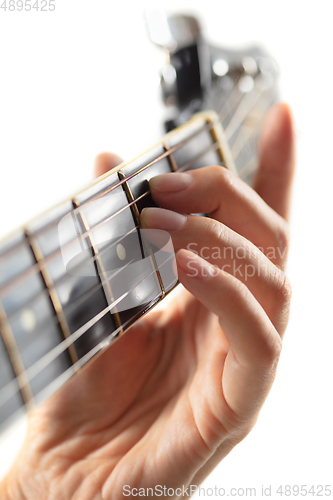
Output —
(273, 180)
(105, 162)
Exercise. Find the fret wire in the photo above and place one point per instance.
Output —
(171, 158)
(125, 326)
(130, 198)
(36, 268)
(64, 277)
(53, 296)
(168, 154)
(226, 158)
(113, 334)
(207, 127)
(216, 140)
(39, 365)
(87, 357)
(42, 230)
(88, 232)
(121, 298)
(134, 209)
(136, 215)
(98, 262)
(75, 224)
(80, 300)
(20, 372)
(70, 309)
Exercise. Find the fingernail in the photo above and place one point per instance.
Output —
(159, 218)
(194, 266)
(171, 183)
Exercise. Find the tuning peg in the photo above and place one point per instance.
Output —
(171, 32)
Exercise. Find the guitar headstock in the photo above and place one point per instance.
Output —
(240, 85)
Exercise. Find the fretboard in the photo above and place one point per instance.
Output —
(76, 278)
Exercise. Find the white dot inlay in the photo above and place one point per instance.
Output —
(121, 251)
(28, 320)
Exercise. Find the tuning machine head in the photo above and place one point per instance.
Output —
(196, 75)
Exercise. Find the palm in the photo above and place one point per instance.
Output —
(150, 383)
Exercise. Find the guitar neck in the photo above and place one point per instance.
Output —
(76, 278)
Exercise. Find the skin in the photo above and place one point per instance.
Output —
(173, 396)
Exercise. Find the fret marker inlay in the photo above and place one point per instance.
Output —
(28, 320)
(121, 251)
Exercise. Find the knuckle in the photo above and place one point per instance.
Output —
(284, 291)
(215, 231)
(224, 177)
(272, 350)
(283, 237)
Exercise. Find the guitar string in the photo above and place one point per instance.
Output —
(53, 354)
(95, 258)
(73, 306)
(102, 344)
(207, 126)
(44, 361)
(73, 368)
(90, 291)
(79, 301)
(248, 132)
(227, 106)
(104, 281)
(18, 309)
(125, 179)
(91, 259)
(50, 257)
(35, 269)
(251, 164)
(246, 104)
(236, 90)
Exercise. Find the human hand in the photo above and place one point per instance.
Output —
(174, 395)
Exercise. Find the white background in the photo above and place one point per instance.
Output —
(83, 79)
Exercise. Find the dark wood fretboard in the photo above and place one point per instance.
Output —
(76, 278)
